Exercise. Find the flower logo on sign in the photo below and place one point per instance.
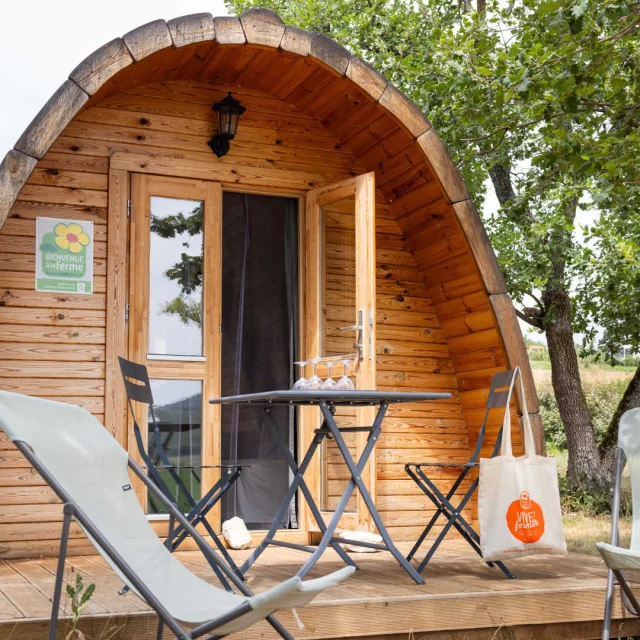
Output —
(525, 519)
(71, 237)
(64, 251)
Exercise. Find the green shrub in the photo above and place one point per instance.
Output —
(602, 400)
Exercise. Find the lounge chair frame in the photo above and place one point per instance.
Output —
(615, 576)
(72, 510)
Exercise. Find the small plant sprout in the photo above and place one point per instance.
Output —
(79, 596)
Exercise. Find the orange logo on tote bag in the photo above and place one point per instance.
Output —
(525, 519)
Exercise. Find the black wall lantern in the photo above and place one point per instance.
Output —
(229, 111)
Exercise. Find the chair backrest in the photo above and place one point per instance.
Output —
(84, 458)
(138, 387)
(92, 469)
(500, 393)
(629, 442)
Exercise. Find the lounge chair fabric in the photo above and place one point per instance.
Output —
(617, 557)
(93, 469)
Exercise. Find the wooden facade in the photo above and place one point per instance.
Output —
(140, 107)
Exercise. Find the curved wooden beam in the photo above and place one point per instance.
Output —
(262, 27)
(404, 111)
(51, 120)
(480, 245)
(101, 65)
(445, 170)
(15, 170)
(191, 29)
(296, 41)
(329, 53)
(371, 81)
(229, 30)
(148, 39)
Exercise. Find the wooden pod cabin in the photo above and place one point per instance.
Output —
(325, 148)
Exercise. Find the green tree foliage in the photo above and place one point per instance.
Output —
(188, 272)
(543, 97)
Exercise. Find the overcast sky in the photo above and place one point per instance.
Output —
(42, 42)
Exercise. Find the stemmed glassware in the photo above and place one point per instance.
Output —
(329, 384)
(345, 383)
(315, 382)
(301, 383)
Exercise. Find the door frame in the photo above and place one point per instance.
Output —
(122, 166)
(203, 368)
(362, 189)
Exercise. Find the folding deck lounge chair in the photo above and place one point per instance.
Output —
(502, 386)
(616, 557)
(138, 388)
(88, 470)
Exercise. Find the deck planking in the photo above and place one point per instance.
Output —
(462, 598)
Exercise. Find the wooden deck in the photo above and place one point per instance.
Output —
(461, 600)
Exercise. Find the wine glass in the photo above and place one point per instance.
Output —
(314, 382)
(345, 383)
(301, 383)
(329, 384)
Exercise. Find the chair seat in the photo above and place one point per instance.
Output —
(193, 600)
(619, 557)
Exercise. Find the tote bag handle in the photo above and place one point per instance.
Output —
(529, 443)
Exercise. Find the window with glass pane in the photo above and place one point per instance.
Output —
(338, 310)
(175, 277)
(178, 411)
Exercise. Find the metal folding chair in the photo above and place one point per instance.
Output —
(138, 387)
(502, 386)
(616, 557)
(89, 471)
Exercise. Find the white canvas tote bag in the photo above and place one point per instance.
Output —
(518, 500)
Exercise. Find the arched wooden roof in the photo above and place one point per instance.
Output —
(413, 168)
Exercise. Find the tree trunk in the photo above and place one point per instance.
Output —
(584, 457)
(501, 181)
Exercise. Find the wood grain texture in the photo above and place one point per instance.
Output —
(405, 111)
(15, 169)
(101, 65)
(229, 30)
(366, 77)
(147, 39)
(462, 600)
(197, 27)
(443, 167)
(52, 119)
(296, 41)
(305, 127)
(476, 235)
(330, 53)
(116, 337)
(262, 27)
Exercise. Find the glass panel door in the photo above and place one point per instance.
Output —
(339, 320)
(174, 328)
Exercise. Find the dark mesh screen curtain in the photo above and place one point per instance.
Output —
(259, 334)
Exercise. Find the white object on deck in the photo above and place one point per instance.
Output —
(92, 468)
(361, 536)
(235, 532)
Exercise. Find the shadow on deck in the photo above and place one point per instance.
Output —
(463, 599)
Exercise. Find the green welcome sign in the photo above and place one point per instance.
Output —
(64, 255)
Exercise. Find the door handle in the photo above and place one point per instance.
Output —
(359, 343)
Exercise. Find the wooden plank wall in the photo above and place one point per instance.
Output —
(53, 345)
